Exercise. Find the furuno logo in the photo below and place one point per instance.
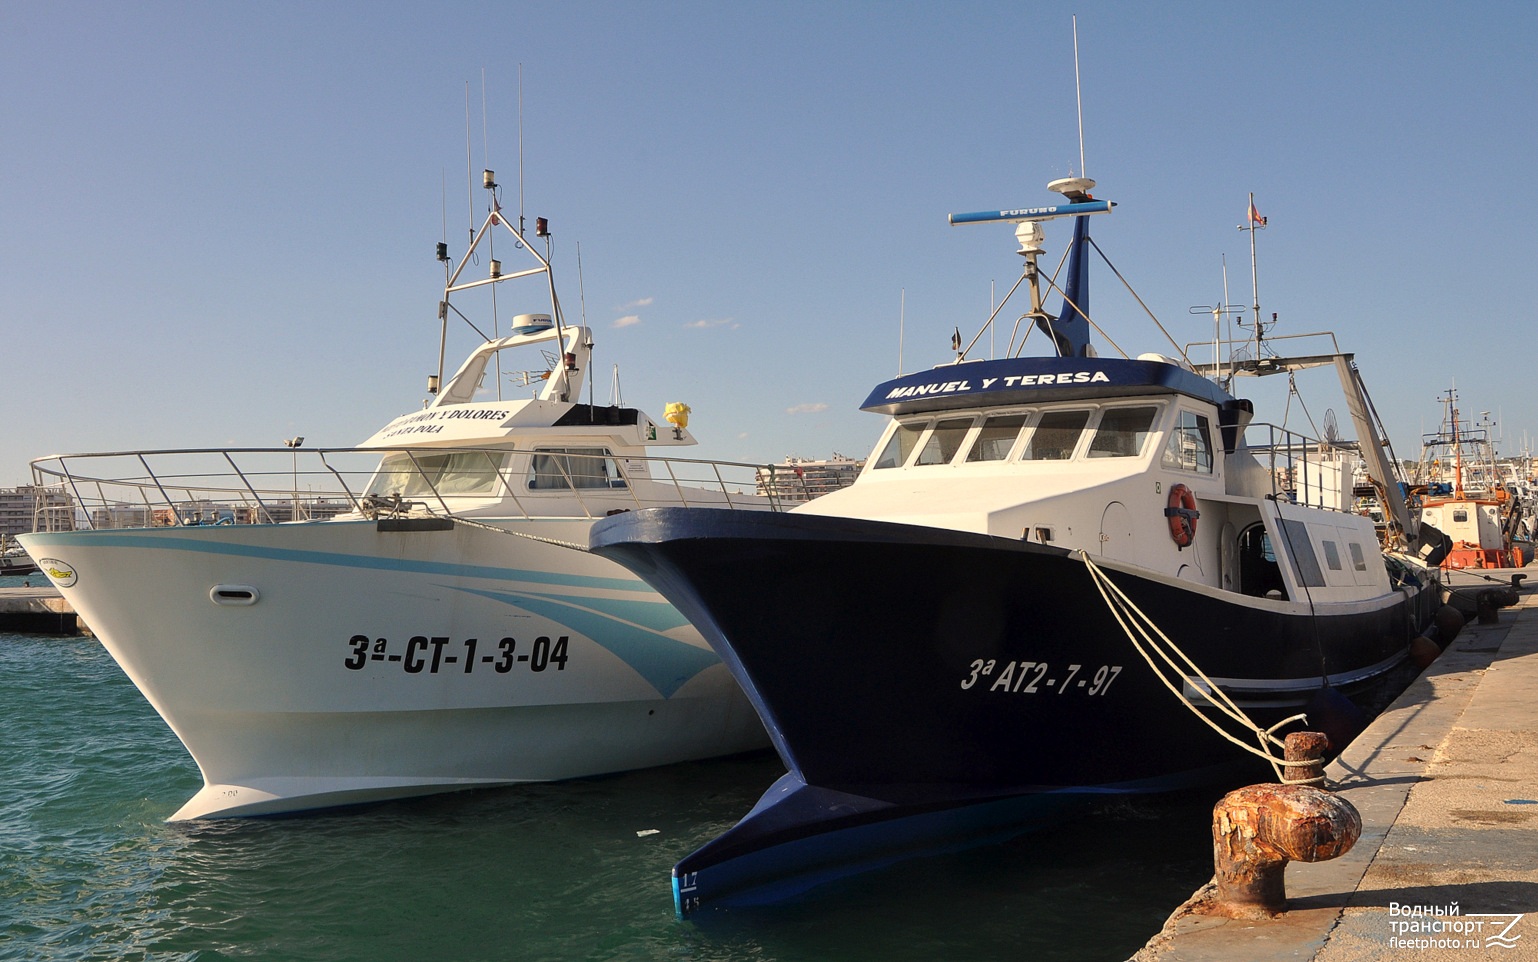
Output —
(61, 574)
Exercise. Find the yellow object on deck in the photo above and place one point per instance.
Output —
(677, 414)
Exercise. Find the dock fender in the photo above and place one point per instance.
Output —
(1337, 716)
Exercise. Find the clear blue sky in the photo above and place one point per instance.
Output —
(217, 220)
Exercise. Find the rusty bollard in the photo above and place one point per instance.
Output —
(1258, 829)
(1305, 747)
(1490, 600)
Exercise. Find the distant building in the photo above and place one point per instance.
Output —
(277, 511)
(799, 479)
(18, 507)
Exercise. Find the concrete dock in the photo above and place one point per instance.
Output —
(38, 609)
(1446, 781)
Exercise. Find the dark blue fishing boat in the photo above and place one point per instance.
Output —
(1053, 577)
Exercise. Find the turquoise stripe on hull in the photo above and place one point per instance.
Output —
(112, 539)
(666, 663)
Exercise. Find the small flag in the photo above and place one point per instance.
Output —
(1255, 217)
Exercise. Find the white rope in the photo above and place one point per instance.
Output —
(1129, 616)
(523, 534)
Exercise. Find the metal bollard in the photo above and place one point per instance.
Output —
(1491, 600)
(1305, 747)
(1258, 829)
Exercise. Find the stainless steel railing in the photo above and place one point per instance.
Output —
(196, 486)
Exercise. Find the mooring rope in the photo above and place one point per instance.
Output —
(516, 534)
(1130, 617)
(1474, 573)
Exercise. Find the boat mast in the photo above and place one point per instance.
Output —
(1253, 222)
(1452, 407)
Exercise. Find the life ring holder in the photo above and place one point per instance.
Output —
(1182, 514)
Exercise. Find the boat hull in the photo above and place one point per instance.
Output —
(913, 670)
(314, 665)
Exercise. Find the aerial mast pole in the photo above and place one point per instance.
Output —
(1253, 222)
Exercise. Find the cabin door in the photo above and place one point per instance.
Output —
(1116, 532)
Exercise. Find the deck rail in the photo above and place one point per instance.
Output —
(1305, 470)
(201, 486)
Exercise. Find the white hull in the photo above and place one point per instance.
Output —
(349, 673)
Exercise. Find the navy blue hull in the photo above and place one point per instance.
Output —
(905, 671)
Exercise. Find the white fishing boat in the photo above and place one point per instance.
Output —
(442, 629)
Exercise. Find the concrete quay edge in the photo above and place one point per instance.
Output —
(1446, 782)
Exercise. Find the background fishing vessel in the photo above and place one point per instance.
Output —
(1463, 490)
(1051, 579)
(410, 616)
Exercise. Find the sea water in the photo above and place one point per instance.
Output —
(578, 870)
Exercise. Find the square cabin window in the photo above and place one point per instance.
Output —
(572, 468)
(944, 441)
(1056, 436)
(1190, 445)
(901, 444)
(996, 438)
(1122, 432)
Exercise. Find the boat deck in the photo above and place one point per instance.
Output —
(1446, 781)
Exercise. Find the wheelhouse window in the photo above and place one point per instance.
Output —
(901, 444)
(448, 473)
(1056, 436)
(556, 468)
(996, 438)
(944, 441)
(1190, 445)
(1122, 432)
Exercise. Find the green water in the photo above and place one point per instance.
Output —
(88, 869)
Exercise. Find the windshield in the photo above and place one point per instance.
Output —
(944, 441)
(414, 476)
(902, 443)
(1122, 432)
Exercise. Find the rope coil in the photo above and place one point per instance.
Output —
(1130, 617)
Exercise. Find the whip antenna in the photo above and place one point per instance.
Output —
(520, 148)
(1078, 94)
(469, 169)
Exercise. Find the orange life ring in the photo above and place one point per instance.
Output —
(1182, 514)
